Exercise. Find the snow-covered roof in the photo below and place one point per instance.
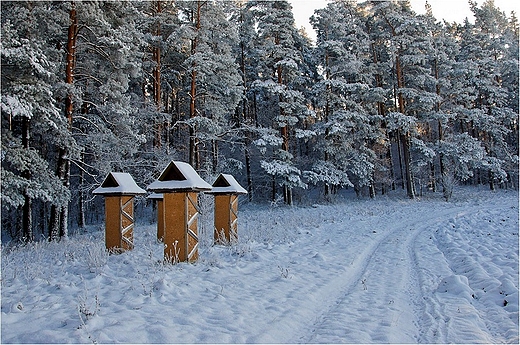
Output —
(117, 183)
(155, 196)
(226, 184)
(178, 176)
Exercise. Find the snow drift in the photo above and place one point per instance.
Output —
(389, 270)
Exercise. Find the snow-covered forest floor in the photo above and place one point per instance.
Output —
(357, 271)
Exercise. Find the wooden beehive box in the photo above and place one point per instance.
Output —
(119, 190)
(180, 184)
(226, 190)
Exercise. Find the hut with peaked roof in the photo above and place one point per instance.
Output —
(180, 185)
(226, 190)
(119, 190)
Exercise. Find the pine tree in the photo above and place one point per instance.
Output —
(489, 115)
(347, 129)
(407, 39)
(60, 213)
(457, 153)
(279, 69)
(104, 113)
(213, 83)
(157, 88)
(247, 57)
(30, 115)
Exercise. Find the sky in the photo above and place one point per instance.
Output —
(450, 10)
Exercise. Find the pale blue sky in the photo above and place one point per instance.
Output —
(450, 10)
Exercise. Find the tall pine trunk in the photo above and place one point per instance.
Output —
(404, 137)
(60, 213)
(193, 150)
(248, 168)
(27, 231)
(157, 82)
(439, 126)
(381, 110)
(214, 156)
(326, 114)
(247, 152)
(284, 132)
(81, 198)
(245, 117)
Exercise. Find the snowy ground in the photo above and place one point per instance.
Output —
(389, 270)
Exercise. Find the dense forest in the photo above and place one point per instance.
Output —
(384, 99)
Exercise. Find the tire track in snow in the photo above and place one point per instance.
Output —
(381, 286)
(433, 266)
(468, 305)
(432, 323)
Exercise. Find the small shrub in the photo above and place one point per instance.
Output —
(97, 257)
(448, 182)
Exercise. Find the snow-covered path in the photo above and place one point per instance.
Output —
(385, 295)
(471, 262)
(362, 271)
(386, 301)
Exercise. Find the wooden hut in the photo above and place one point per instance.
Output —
(226, 190)
(119, 190)
(180, 184)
